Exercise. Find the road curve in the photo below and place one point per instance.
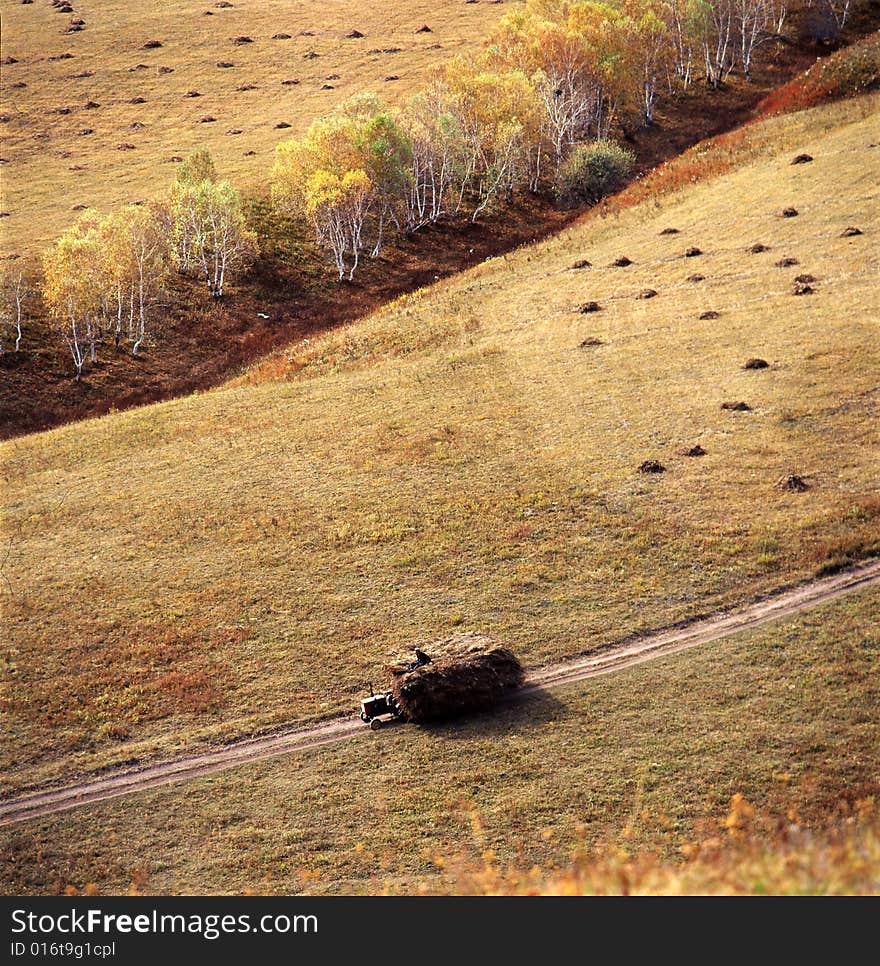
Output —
(606, 661)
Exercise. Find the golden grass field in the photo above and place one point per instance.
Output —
(249, 557)
(50, 166)
(629, 776)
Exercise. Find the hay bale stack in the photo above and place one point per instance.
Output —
(468, 672)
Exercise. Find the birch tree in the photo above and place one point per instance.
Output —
(348, 177)
(718, 25)
(209, 215)
(436, 155)
(753, 19)
(498, 117)
(198, 167)
(135, 251)
(651, 49)
(14, 291)
(72, 291)
(384, 154)
(563, 70)
(687, 19)
(839, 11)
(338, 209)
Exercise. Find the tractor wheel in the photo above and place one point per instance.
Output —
(365, 717)
(375, 724)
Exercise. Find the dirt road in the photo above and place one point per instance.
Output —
(606, 661)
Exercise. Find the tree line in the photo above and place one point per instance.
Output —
(553, 77)
(104, 278)
(537, 106)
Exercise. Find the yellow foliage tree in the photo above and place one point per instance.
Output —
(497, 115)
(348, 176)
(72, 290)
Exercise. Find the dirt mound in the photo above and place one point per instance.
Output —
(669, 231)
(281, 36)
(652, 466)
(242, 40)
(737, 407)
(802, 159)
(354, 35)
(850, 232)
(692, 252)
(787, 262)
(755, 364)
(647, 293)
(621, 262)
(590, 307)
(152, 45)
(424, 29)
(711, 314)
(805, 278)
(696, 278)
(468, 672)
(789, 212)
(581, 263)
(793, 483)
(590, 342)
(802, 288)
(757, 249)
(692, 451)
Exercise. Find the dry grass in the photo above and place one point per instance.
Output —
(842, 859)
(49, 167)
(854, 70)
(602, 774)
(459, 461)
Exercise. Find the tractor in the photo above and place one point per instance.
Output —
(378, 708)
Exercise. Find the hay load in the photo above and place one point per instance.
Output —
(465, 673)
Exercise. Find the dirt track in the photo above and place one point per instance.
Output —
(606, 661)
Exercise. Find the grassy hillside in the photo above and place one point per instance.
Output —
(51, 165)
(249, 557)
(632, 775)
(51, 171)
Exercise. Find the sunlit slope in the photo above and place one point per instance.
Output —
(249, 557)
(51, 165)
(785, 715)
